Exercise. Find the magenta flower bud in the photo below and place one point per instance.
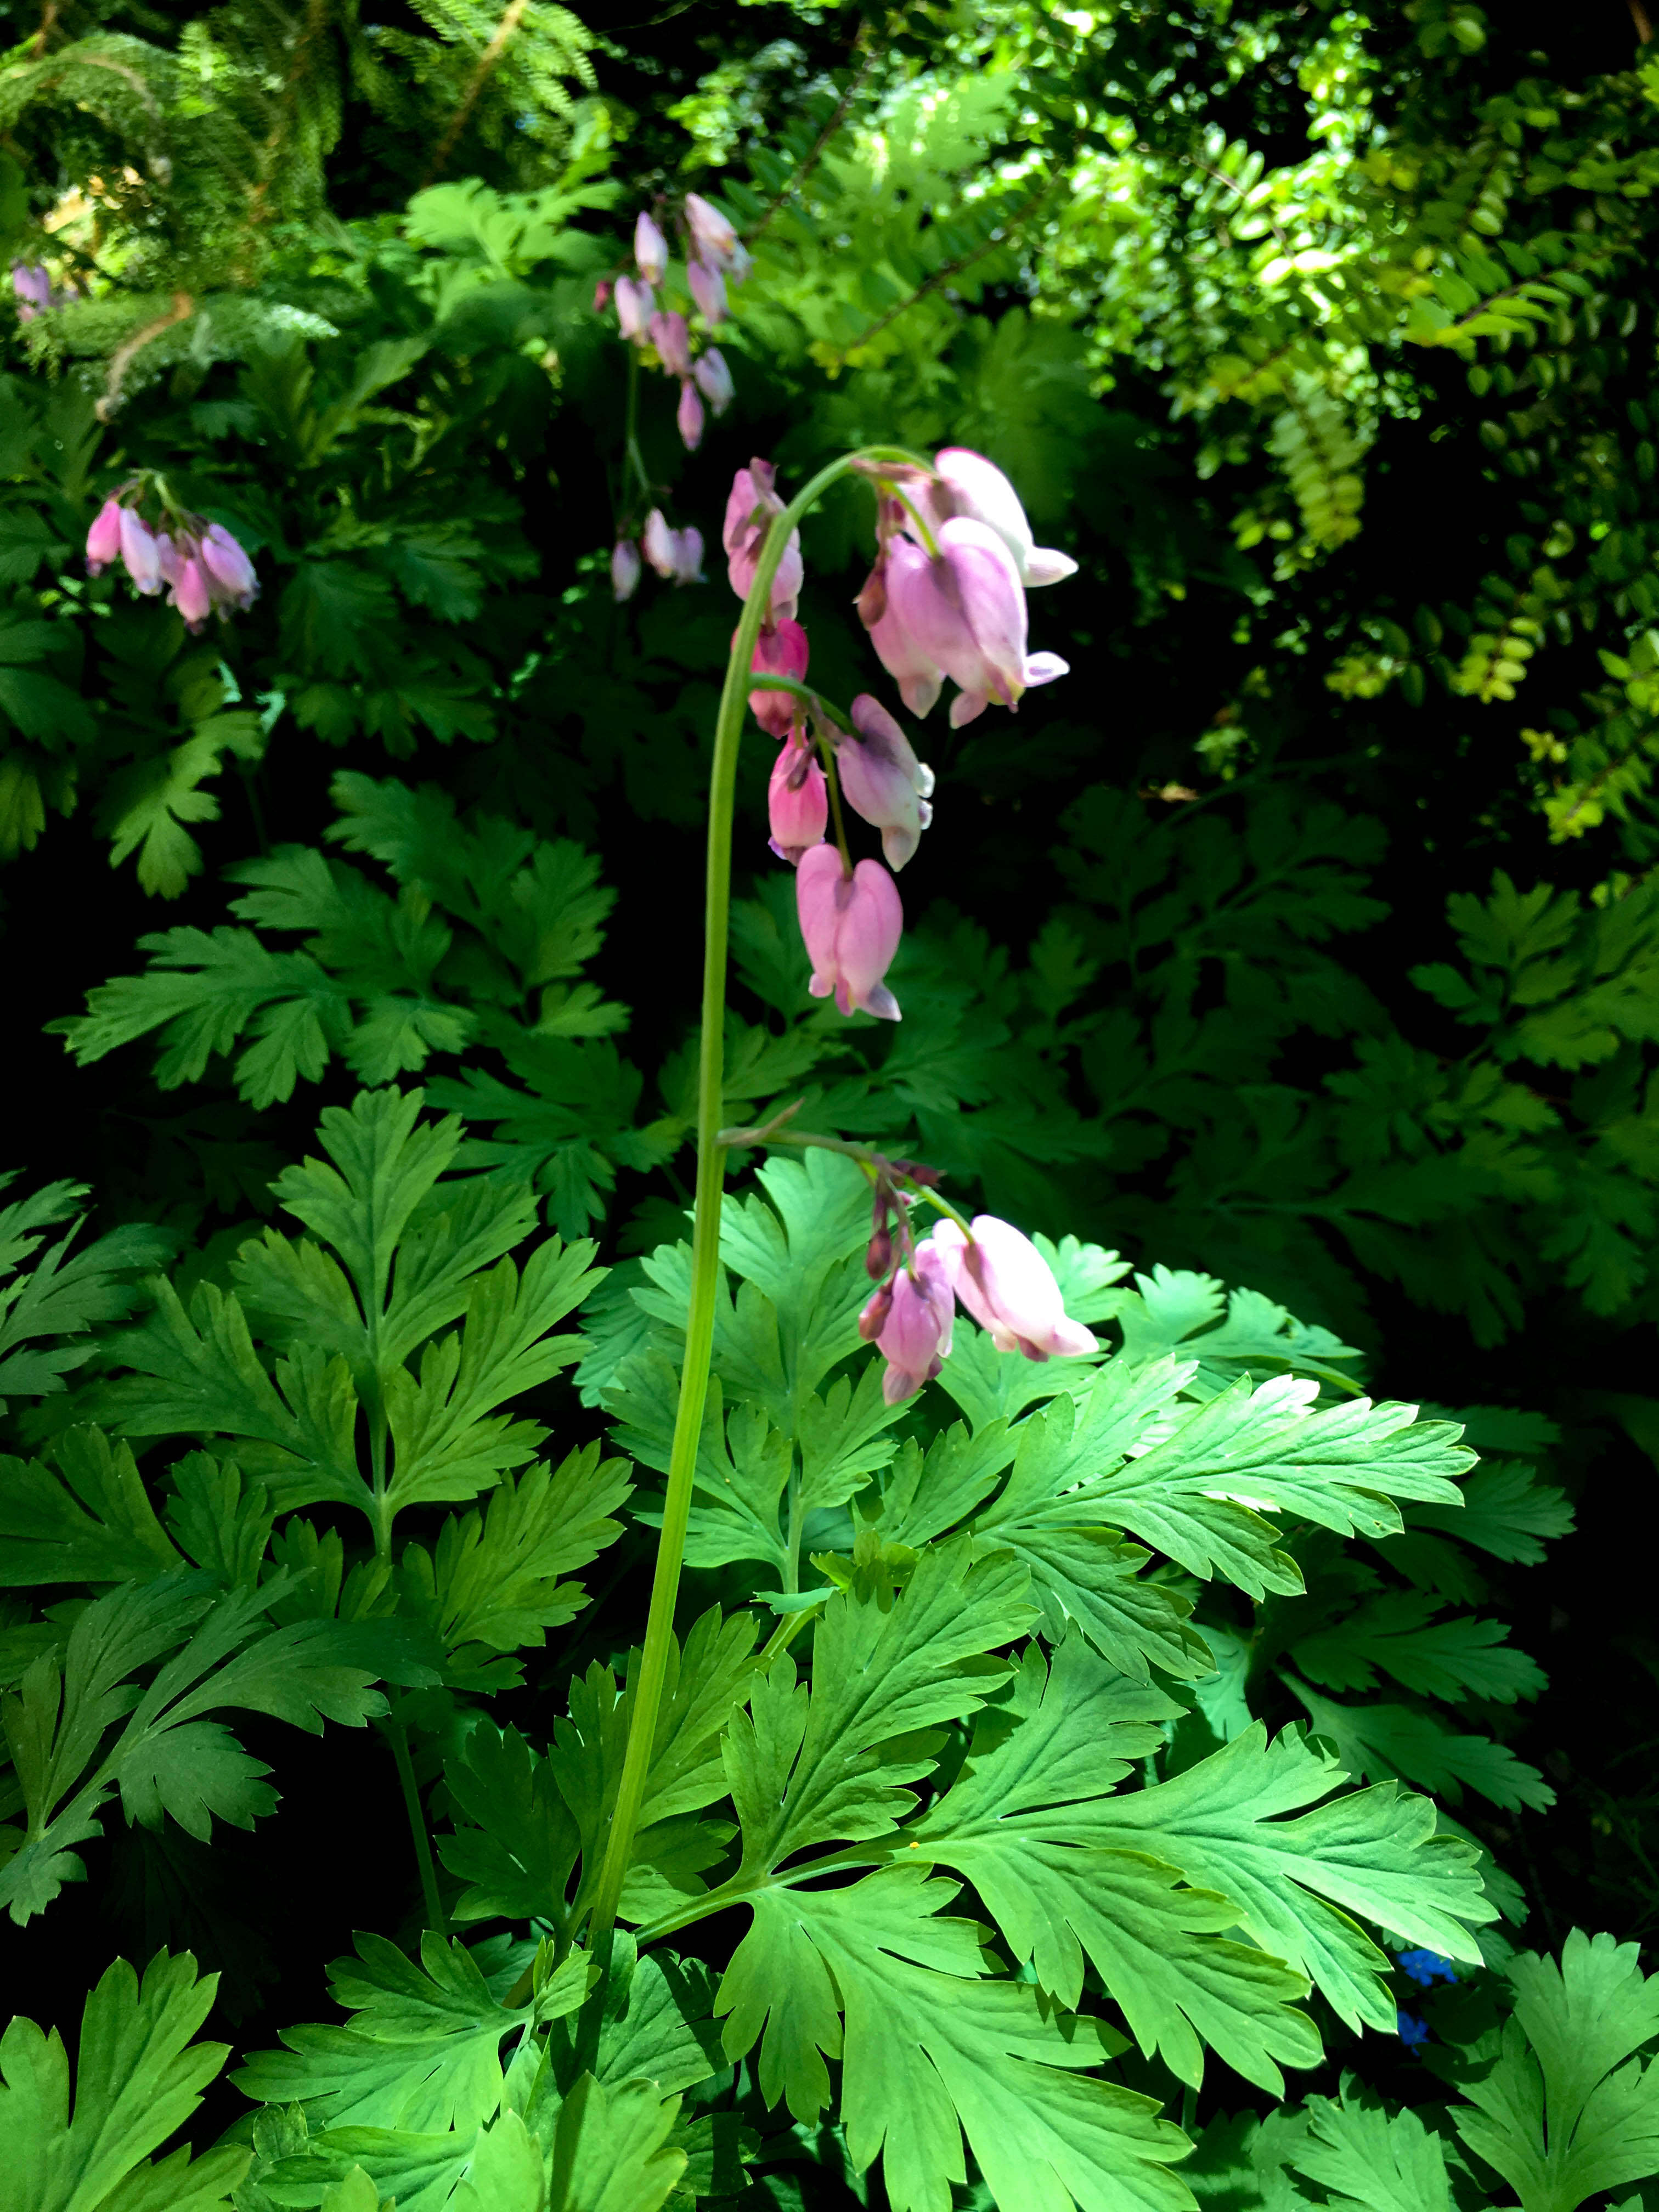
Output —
(190, 592)
(708, 290)
(140, 552)
(882, 780)
(687, 416)
(797, 804)
(1009, 1288)
(878, 1253)
(915, 1337)
(781, 651)
(650, 250)
(713, 238)
(635, 303)
(104, 538)
(714, 378)
(919, 677)
(671, 336)
(852, 926)
(877, 1307)
(966, 611)
(625, 569)
(749, 513)
(602, 295)
(230, 572)
(968, 484)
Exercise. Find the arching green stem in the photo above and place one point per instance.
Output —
(647, 1685)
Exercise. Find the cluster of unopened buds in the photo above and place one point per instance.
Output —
(955, 556)
(996, 1273)
(200, 562)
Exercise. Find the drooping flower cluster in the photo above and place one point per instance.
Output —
(714, 255)
(995, 1274)
(201, 564)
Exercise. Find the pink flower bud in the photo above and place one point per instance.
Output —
(713, 238)
(671, 336)
(915, 1337)
(882, 780)
(635, 302)
(749, 513)
(797, 803)
(968, 484)
(171, 555)
(877, 1307)
(1009, 1288)
(852, 926)
(657, 542)
(602, 295)
(687, 416)
(625, 569)
(878, 1253)
(919, 677)
(230, 572)
(189, 594)
(650, 250)
(781, 651)
(140, 552)
(966, 611)
(714, 378)
(104, 538)
(708, 290)
(688, 556)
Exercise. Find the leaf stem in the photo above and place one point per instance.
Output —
(398, 1737)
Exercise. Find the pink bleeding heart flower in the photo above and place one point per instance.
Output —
(714, 378)
(919, 677)
(674, 554)
(190, 592)
(852, 926)
(966, 611)
(1009, 1288)
(104, 538)
(882, 780)
(671, 334)
(708, 290)
(650, 250)
(781, 651)
(688, 555)
(625, 569)
(968, 484)
(602, 295)
(749, 513)
(32, 287)
(171, 554)
(797, 802)
(635, 303)
(140, 552)
(687, 416)
(713, 238)
(230, 572)
(915, 1334)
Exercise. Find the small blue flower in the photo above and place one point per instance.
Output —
(1413, 2033)
(1425, 1967)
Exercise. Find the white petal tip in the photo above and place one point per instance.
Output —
(1045, 564)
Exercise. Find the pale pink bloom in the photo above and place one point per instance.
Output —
(650, 250)
(708, 290)
(1009, 1288)
(713, 238)
(675, 554)
(966, 611)
(852, 926)
(797, 802)
(749, 513)
(189, 594)
(671, 336)
(687, 416)
(688, 555)
(602, 295)
(914, 1336)
(781, 651)
(171, 555)
(230, 572)
(714, 378)
(968, 484)
(635, 302)
(140, 552)
(104, 538)
(882, 780)
(920, 678)
(625, 569)
(32, 287)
